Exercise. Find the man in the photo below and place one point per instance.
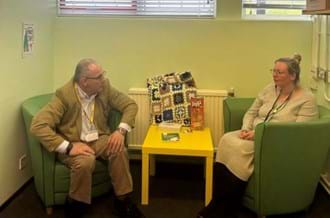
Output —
(74, 124)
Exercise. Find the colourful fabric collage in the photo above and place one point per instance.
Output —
(170, 97)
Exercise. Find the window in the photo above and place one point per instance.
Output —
(273, 9)
(192, 8)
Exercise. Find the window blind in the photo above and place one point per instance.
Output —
(278, 8)
(198, 8)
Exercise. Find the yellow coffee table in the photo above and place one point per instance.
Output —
(195, 143)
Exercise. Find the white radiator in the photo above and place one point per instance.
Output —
(212, 110)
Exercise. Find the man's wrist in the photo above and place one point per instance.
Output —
(68, 149)
(122, 131)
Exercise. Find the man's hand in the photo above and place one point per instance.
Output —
(116, 142)
(80, 148)
(247, 134)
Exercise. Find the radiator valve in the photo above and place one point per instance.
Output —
(231, 92)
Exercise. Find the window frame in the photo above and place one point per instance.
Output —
(264, 17)
(136, 15)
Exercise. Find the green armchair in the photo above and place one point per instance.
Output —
(288, 160)
(51, 177)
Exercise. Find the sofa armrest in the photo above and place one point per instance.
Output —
(234, 110)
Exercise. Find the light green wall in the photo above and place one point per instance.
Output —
(21, 78)
(220, 53)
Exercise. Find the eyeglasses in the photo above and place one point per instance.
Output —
(276, 72)
(99, 77)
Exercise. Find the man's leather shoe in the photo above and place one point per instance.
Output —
(74, 209)
(127, 209)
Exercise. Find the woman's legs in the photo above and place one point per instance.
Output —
(228, 191)
(228, 188)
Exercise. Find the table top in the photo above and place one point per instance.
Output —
(194, 143)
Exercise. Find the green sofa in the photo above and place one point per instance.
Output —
(288, 160)
(51, 178)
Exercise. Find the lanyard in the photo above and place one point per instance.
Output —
(90, 118)
(275, 109)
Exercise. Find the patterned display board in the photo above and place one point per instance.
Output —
(170, 97)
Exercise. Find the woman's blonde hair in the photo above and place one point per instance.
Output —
(293, 65)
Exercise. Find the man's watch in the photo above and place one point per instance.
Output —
(122, 131)
(68, 149)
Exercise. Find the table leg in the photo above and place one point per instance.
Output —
(152, 165)
(208, 179)
(145, 179)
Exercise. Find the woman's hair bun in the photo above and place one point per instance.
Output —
(297, 58)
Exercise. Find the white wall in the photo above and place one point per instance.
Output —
(321, 60)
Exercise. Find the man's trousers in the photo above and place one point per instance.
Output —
(82, 167)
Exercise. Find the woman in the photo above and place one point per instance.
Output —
(283, 101)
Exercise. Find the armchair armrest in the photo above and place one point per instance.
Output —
(234, 110)
(288, 162)
(43, 162)
(114, 119)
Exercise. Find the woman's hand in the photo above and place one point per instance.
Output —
(247, 134)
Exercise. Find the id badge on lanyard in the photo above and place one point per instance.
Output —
(92, 135)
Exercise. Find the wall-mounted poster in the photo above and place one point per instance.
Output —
(28, 39)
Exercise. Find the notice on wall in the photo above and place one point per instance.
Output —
(28, 39)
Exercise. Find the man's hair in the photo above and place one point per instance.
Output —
(293, 65)
(82, 68)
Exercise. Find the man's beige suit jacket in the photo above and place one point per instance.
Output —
(61, 118)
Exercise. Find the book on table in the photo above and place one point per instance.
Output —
(197, 113)
(170, 136)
